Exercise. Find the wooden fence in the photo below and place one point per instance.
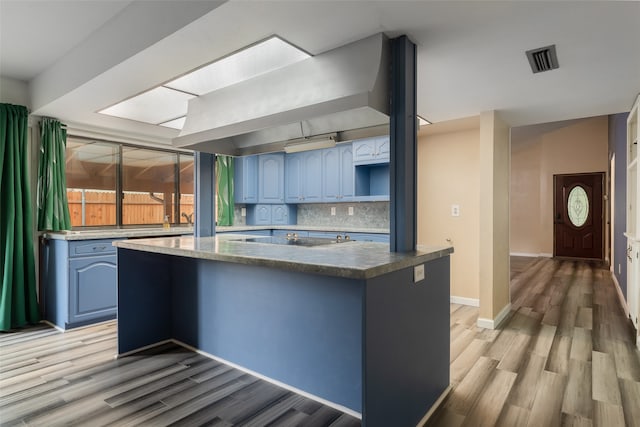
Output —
(137, 208)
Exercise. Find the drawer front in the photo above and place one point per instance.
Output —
(91, 247)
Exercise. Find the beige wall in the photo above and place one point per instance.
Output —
(494, 219)
(539, 152)
(448, 172)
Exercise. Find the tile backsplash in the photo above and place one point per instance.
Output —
(365, 214)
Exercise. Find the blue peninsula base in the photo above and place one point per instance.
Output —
(376, 346)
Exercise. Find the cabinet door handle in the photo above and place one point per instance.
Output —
(99, 248)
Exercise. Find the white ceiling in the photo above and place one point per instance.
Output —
(79, 57)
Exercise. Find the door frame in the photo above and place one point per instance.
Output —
(603, 176)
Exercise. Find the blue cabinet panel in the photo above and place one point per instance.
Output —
(92, 282)
(271, 214)
(372, 150)
(293, 182)
(303, 172)
(271, 178)
(311, 176)
(246, 180)
(337, 174)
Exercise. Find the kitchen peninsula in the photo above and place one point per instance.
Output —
(351, 323)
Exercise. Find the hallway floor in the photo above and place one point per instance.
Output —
(565, 357)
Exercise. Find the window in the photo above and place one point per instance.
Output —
(152, 184)
(578, 206)
(91, 182)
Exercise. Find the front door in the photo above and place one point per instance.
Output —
(578, 221)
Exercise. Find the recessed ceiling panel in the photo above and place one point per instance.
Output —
(260, 58)
(155, 106)
(175, 124)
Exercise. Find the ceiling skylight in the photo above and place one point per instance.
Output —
(156, 106)
(260, 58)
(175, 124)
(167, 105)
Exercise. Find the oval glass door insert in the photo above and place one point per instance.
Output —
(578, 206)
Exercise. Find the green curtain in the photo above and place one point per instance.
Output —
(18, 301)
(224, 180)
(53, 209)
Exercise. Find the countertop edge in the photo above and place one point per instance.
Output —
(424, 254)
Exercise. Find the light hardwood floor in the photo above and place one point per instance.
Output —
(564, 357)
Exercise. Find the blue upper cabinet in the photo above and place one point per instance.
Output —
(246, 180)
(312, 176)
(271, 178)
(347, 179)
(338, 174)
(293, 182)
(303, 171)
(372, 150)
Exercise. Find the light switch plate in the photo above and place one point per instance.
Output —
(243, 212)
(418, 273)
(455, 210)
(333, 211)
(350, 210)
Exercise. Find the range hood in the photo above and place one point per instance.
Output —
(338, 91)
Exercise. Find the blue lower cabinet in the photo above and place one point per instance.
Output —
(92, 282)
(79, 281)
(271, 214)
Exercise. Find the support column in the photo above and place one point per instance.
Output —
(494, 220)
(204, 189)
(403, 136)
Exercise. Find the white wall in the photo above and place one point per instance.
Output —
(14, 92)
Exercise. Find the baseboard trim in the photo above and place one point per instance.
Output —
(53, 325)
(272, 381)
(531, 255)
(495, 323)
(473, 302)
(623, 301)
(146, 347)
(435, 406)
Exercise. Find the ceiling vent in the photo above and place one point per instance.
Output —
(543, 59)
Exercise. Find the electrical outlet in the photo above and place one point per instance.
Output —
(350, 210)
(418, 273)
(243, 212)
(333, 211)
(455, 210)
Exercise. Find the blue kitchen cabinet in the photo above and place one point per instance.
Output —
(293, 182)
(338, 174)
(271, 178)
(79, 281)
(372, 150)
(271, 214)
(246, 180)
(303, 172)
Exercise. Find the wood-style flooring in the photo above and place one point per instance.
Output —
(48, 378)
(564, 357)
